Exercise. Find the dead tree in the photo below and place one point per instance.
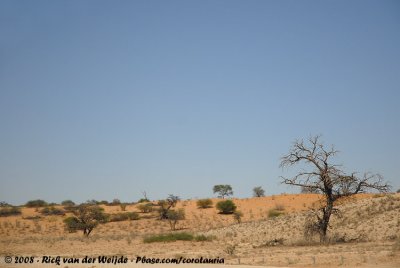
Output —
(326, 178)
(145, 195)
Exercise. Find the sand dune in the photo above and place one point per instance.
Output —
(366, 234)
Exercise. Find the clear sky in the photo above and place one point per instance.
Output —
(106, 99)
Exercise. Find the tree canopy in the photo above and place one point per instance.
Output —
(223, 190)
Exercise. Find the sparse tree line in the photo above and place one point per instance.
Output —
(323, 177)
(222, 191)
(143, 204)
(86, 216)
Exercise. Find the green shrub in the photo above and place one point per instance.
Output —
(143, 200)
(123, 216)
(237, 215)
(36, 217)
(204, 203)
(123, 206)
(201, 238)
(174, 216)
(169, 237)
(91, 202)
(226, 207)
(145, 208)
(67, 203)
(9, 211)
(133, 216)
(71, 208)
(36, 203)
(72, 224)
(272, 213)
(47, 211)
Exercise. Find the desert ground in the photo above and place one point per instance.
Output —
(366, 233)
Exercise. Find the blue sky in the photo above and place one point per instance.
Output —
(106, 99)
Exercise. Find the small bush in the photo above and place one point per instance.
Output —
(123, 206)
(92, 202)
(237, 215)
(230, 249)
(174, 216)
(32, 217)
(123, 216)
(72, 224)
(338, 238)
(204, 203)
(273, 242)
(311, 228)
(272, 213)
(169, 237)
(115, 202)
(47, 211)
(201, 238)
(145, 208)
(70, 208)
(143, 200)
(226, 207)
(133, 216)
(67, 203)
(9, 211)
(36, 203)
(4, 204)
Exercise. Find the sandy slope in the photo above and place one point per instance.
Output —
(369, 226)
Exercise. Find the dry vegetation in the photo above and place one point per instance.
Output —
(271, 232)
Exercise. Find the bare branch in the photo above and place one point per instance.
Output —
(372, 181)
(304, 184)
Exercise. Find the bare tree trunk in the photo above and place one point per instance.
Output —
(324, 221)
(172, 224)
(89, 231)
